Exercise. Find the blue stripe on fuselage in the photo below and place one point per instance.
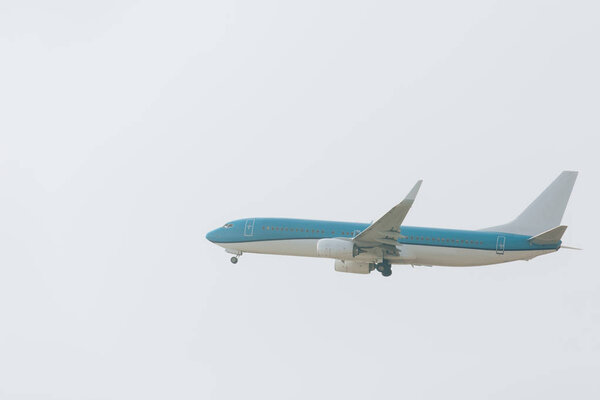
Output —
(264, 229)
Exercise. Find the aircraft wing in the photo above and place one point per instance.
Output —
(386, 230)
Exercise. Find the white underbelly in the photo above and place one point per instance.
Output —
(288, 247)
(460, 257)
(411, 254)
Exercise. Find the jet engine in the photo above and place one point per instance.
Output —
(354, 267)
(336, 248)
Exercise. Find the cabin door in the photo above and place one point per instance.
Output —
(500, 244)
(249, 229)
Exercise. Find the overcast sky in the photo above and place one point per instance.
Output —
(130, 129)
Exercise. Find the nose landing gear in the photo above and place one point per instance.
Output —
(237, 254)
(385, 268)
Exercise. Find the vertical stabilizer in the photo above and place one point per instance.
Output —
(546, 211)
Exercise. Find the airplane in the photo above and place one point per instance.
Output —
(361, 248)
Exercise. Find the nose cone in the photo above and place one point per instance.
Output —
(213, 235)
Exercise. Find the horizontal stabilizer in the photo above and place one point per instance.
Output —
(550, 236)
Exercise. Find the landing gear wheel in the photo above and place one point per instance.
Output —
(385, 268)
(234, 260)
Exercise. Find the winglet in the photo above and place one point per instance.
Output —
(412, 195)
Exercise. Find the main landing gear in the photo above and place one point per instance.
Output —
(385, 268)
(234, 260)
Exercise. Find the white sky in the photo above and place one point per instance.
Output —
(130, 129)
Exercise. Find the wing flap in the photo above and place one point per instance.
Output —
(388, 242)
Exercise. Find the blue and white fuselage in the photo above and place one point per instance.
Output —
(360, 247)
(420, 246)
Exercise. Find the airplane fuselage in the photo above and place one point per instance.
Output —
(417, 246)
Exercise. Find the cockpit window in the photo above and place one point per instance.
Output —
(227, 226)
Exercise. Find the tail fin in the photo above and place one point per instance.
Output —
(546, 211)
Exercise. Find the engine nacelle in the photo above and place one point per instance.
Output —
(336, 248)
(354, 267)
